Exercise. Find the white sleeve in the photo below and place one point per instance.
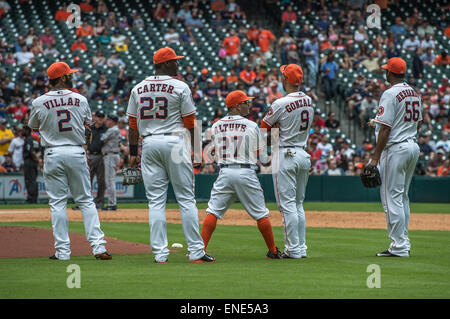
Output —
(132, 105)
(273, 115)
(386, 110)
(88, 116)
(187, 103)
(33, 121)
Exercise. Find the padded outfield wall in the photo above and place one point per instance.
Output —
(320, 188)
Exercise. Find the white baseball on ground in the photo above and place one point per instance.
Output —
(177, 245)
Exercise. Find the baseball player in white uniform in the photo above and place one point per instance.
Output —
(396, 153)
(61, 116)
(160, 109)
(291, 162)
(236, 141)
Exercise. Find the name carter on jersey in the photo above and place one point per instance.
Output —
(159, 87)
(221, 128)
(62, 102)
(298, 104)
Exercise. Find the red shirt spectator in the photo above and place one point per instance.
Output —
(442, 59)
(62, 14)
(85, 30)
(47, 37)
(159, 12)
(318, 120)
(315, 152)
(218, 5)
(232, 43)
(252, 34)
(18, 110)
(86, 6)
(247, 75)
(264, 38)
(79, 45)
(288, 15)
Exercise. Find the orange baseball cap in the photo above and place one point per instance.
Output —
(204, 71)
(164, 55)
(236, 97)
(293, 73)
(59, 69)
(395, 65)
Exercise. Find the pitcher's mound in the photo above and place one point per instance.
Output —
(17, 241)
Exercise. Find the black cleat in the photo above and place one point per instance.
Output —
(103, 256)
(272, 255)
(110, 208)
(205, 259)
(76, 207)
(53, 257)
(386, 253)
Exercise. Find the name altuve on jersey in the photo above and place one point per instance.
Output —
(227, 127)
(62, 102)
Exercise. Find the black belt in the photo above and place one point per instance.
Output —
(302, 147)
(109, 153)
(165, 134)
(53, 146)
(96, 153)
(237, 166)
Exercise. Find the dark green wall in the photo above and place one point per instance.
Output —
(330, 188)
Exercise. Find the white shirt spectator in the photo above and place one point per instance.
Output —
(16, 149)
(4, 6)
(172, 37)
(23, 57)
(360, 36)
(411, 45)
(115, 61)
(427, 44)
(118, 39)
(326, 149)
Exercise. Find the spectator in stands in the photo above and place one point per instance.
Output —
(434, 164)
(6, 136)
(329, 70)
(104, 38)
(346, 62)
(218, 77)
(119, 41)
(284, 43)
(331, 122)
(442, 59)
(232, 45)
(311, 54)
(247, 76)
(16, 147)
(368, 105)
(62, 14)
(304, 34)
(428, 57)
(204, 76)
(110, 21)
(238, 14)
(323, 23)
(47, 38)
(428, 42)
(138, 22)
(89, 86)
(392, 51)
(317, 120)
(354, 98)
(265, 39)
(171, 36)
(188, 75)
(99, 27)
(194, 21)
(123, 24)
(412, 43)
(18, 110)
(424, 146)
(103, 83)
(444, 169)
(115, 61)
(333, 170)
(86, 6)
(417, 67)
(252, 34)
(273, 92)
(85, 30)
(26, 76)
(101, 7)
(99, 95)
(325, 146)
(184, 13)
(361, 34)
(288, 16)
(98, 59)
(8, 164)
(346, 150)
(314, 151)
(292, 55)
(425, 28)
(4, 8)
(159, 12)
(79, 45)
(232, 78)
(210, 90)
(398, 28)
(444, 142)
(223, 89)
(218, 23)
(24, 56)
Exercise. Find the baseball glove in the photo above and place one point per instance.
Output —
(370, 176)
(131, 176)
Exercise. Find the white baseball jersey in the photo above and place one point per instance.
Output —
(159, 103)
(401, 109)
(236, 140)
(295, 114)
(60, 117)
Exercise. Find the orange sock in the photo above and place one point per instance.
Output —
(209, 225)
(265, 227)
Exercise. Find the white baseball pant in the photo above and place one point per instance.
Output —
(66, 172)
(290, 177)
(164, 159)
(111, 162)
(396, 166)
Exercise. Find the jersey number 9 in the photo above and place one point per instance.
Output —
(146, 109)
(304, 118)
(412, 112)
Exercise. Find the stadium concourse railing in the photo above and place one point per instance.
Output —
(320, 188)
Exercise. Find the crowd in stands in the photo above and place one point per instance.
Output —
(324, 50)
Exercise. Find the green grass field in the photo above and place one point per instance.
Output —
(436, 208)
(335, 268)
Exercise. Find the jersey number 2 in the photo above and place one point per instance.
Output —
(146, 108)
(412, 112)
(66, 117)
